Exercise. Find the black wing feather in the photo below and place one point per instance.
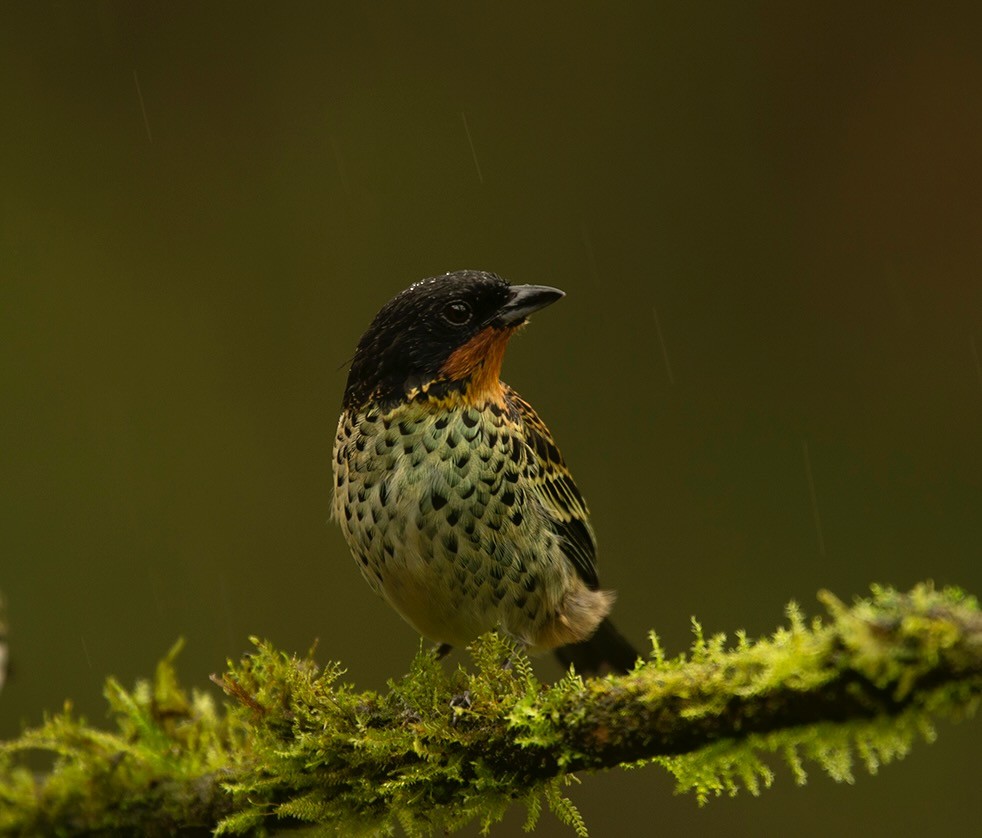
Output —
(554, 487)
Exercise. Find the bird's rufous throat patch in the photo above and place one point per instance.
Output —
(480, 361)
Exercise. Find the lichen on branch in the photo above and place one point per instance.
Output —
(440, 748)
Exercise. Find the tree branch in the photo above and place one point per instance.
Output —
(442, 748)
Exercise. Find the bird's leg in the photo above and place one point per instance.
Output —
(459, 703)
(521, 648)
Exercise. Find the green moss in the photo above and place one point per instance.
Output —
(441, 748)
(157, 769)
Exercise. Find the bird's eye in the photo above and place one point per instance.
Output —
(457, 313)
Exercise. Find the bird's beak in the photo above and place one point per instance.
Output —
(523, 300)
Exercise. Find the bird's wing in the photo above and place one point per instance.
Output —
(554, 488)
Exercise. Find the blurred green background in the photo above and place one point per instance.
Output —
(203, 205)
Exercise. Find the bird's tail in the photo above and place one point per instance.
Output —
(607, 651)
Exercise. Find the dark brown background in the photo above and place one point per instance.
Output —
(797, 191)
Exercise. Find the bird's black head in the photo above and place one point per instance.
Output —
(452, 327)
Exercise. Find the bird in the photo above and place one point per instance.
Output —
(452, 493)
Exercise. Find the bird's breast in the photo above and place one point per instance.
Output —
(434, 506)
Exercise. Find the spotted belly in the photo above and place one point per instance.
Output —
(433, 508)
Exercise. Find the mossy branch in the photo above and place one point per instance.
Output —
(442, 748)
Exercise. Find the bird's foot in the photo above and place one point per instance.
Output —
(459, 704)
